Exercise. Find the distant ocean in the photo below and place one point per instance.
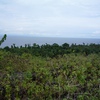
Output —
(22, 40)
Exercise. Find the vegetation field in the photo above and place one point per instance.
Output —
(50, 72)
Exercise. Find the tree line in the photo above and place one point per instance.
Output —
(47, 50)
(53, 50)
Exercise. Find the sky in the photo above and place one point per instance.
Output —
(50, 18)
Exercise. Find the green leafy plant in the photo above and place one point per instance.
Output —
(3, 39)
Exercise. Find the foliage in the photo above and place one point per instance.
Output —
(54, 50)
(64, 77)
(4, 38)
(50, 72)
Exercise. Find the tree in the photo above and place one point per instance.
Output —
(65, 45)
(3, 39)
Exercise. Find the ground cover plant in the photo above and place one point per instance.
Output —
(67, 77)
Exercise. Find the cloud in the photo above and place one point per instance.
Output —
(96, 34)
(50, 17)
(56, 26)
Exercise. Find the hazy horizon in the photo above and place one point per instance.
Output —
(22, 40)
(32, 36)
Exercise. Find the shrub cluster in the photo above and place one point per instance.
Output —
(67, 77)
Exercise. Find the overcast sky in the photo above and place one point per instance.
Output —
(50, 18)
